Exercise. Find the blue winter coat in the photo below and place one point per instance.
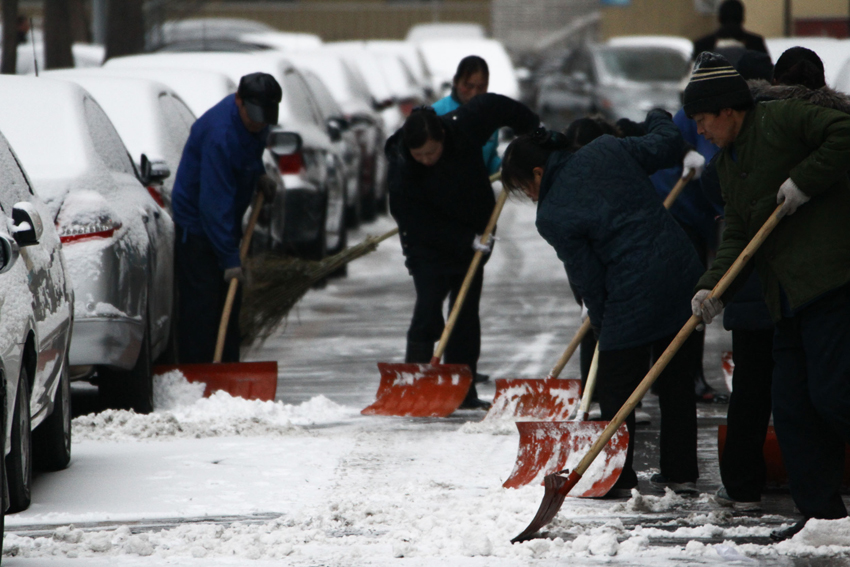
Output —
(491, 156)
(632, 264)
(216, 178)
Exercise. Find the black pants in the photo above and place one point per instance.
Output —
(742, 466)
(432, 289)
(201, 293)
(620, 371)
(811, 402)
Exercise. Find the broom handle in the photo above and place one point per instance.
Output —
(746, 254)
(677, 188)
(470, 274)
(589, 386)
(234, 283)
(585, 327)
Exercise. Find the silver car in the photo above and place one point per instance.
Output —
(36, 313)
(118, 241)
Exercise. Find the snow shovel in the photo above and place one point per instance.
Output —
(431, 390)
(549, 446)
(548, 399)
(558, 486)
(249, 380)
(552, 398)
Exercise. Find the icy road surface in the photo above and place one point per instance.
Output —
(308, 481)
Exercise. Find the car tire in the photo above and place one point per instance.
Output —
(353, 212)
(131, 389)
(52, 439)
(317, 248)
(369, 207)
(3, 474)
(19, 461)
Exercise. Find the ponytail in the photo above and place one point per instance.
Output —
(527, 152)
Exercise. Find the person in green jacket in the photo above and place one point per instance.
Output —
(797, 154)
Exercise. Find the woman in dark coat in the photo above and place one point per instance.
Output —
(441, 197)
(631, 263)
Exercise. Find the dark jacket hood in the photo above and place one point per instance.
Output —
(824, 96)
(556, 161)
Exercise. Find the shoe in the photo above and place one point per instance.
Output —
(642, 417)
(617, 494)
(475, 404)
(479, 378)
(787, 533)
(661, 482)
(706, 394)
(722, 498)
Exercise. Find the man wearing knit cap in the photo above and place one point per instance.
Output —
(793, 153)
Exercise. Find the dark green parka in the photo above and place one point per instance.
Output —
(808, 253)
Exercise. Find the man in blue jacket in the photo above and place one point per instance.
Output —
(220, 168)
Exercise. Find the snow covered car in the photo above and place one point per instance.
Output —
(118, 242)
(151, 119)
(349, 89)
(314, 204)
(36, 312)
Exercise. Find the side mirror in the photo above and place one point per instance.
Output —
(8, 253)
(145, 170)
(28, 227)
(285, 143)
(334, 132)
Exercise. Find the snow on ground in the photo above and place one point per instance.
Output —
(224, 481)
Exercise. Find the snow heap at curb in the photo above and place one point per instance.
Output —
(182, 412)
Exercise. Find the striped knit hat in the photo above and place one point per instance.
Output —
(715, 85)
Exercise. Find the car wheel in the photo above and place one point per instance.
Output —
(52, 439)
(2, 468)
(19, 460)
(317, 248)
(131, 389)
(353, 212)
(369, 207)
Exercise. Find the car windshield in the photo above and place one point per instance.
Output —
(644, 65)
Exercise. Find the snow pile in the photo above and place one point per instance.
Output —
(84, 208)
(639, 503)
(183, 412)
(824, 532)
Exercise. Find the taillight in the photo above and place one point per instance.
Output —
(290, 163)
(76, 232)
(406, 107)
(154, 192)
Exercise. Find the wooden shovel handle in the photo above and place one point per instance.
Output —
(677, 189)
(589, 387)
(234, 283)
(470, 274)
(662, 362)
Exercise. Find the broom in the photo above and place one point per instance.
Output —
(277, 283)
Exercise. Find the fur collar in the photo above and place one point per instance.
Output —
(824, 96)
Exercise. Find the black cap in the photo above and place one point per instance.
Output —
(261, 95)
(715, 85)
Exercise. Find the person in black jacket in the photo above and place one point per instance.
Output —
(631, 263)
(731, 39)
(441, 198)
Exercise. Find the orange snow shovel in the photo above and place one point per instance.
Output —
(549, 446)
(250, 380)
(552, 398)
(558, 486)
(432, 390)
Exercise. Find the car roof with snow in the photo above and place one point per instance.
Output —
(448, 30)
(200, 89)
(234, 65)
(137, 109)
(681, 44)
(283, 40)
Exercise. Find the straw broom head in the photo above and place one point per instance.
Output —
(277, 283)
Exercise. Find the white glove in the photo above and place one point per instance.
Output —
(791, 197)
(584, 313)
(484, 248)
(706, 307)
(693, 161)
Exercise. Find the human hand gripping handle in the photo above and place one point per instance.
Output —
(706, 307)
(481, 245)
(790, 197)
(694, 161)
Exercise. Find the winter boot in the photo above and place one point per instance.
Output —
(420, 352)
(472, 401)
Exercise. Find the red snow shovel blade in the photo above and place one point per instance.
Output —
(533, 398)
(420, 390)
(249, 380)
(546, 447)
(776, 475)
